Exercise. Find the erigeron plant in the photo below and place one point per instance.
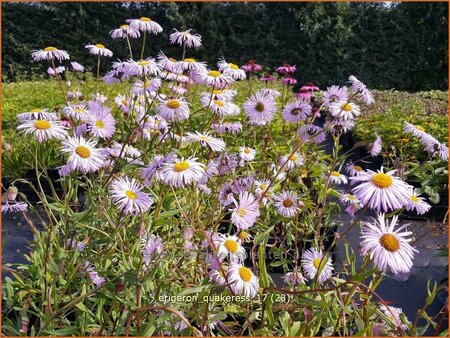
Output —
(187, 190)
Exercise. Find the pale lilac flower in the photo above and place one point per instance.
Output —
(75, 245)
(141, 68)
(225, 195)
(93, 275)
(311, 132)
(375, 147)
(353, 169)
(99, 49)
(388, 248)
(297, 111)
(204, 139)
(185, 38)
(129, 196)
(231, 69)
(247, 153)
(213, 78)
(145, 24)
(49, 53)
(173, 110)
(315, 262)
(58, 70)
(44, 130)
(9, 207)
(418, 204)
(260, 108)
(394, 314)
(337, 178)
(246, 211)
(242, 280)
(217, 277)
(37, 114)
(415, 130)
(381, 191)
(151, 247)
(334, 94)
(227, 127)
(290, 161)
(294, 278)
(182, 172)
(358, 87)
(344, 110)
(230, 247)
(101, 123)
(286, 203)
(125, 31)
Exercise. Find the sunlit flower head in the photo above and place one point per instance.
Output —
(415, 130)
(247, 153)
(206, 140)
(337, 178)
(242, 280)
(128, 195)
(230, 246)
(417, 204)
(260, 108)
(334, 94)
(353, 169)
(286, 203)
(291, 161)
(351, 202)
(145, 24)
(125, 31)
(185, 38)
(252, 67)
(213, 78)
(99, 49)
(43, 129)
(344, 110)
(231, 69)
(192, 64)
(93, 275)
(434, 147)
(358, 87)
(83, 154)
(375, 147)
(388, 248)
(54, 71)
(245, 212)
(381, 191)
(101, 123)
(169, 64)
(297, 111)
(11, 207)
(148, 86)
(49, 53)
(145, 67)
(77, 111)
(173, 110)
(182, 172)
(37, 114)
(315, 262)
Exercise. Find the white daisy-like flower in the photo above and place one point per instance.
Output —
(227, 127)
(358, 87)
(44, 130)
(78, 111)
(231, 69)
(173, 110)
(294, 278)
(337, 178)
(415, 130)
(149, 86)
(381, 191)
(192, 64)
(247, 153)
(315, 262)
(83, 155)
(99, 49)
(143, 67)
(353, 169)
(49, 53)
(182, 172)
(260, 108)
(246, 211)
(418, 204)
(344, 110)
(218, 277)
(220, 107)
(213, 78)
(37, 114)
(214, 143)
(291, 161)
(186, 38)
(388, 248)
(171, 65)
(244, 236)
(242, 280)
(230, 246)
(393, 313)
(125, 31)
(352, 203)
(128, 195)
(286, 203)
(145, 24)
(11, 207)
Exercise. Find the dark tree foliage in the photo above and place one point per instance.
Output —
(402, 46)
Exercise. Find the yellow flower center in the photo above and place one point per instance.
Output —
(173, 104)
(99, 45)
(217, 92)
(190, 60)
(316, 262)
(420, 128)
(382, 180)
(143, 63)
(181, 166)
(124, 102)
(83, 151)
(233, 66)
(203, 138)
(131, 194)
(243, 235)
(37, 110)
(357, 168)
(231, 245)
(263, 186)
(287, 203)
(42, 124)
(247, 150)
(50, 49)
(241, 212)
(293, 157)
(346, 107)
(219, 103)
(99, 124)
(245, 274)
(390, 242)
(214, 73)
(351, 197)
(124, 27)
(414, 199)
(259, 107)
(145, 19)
